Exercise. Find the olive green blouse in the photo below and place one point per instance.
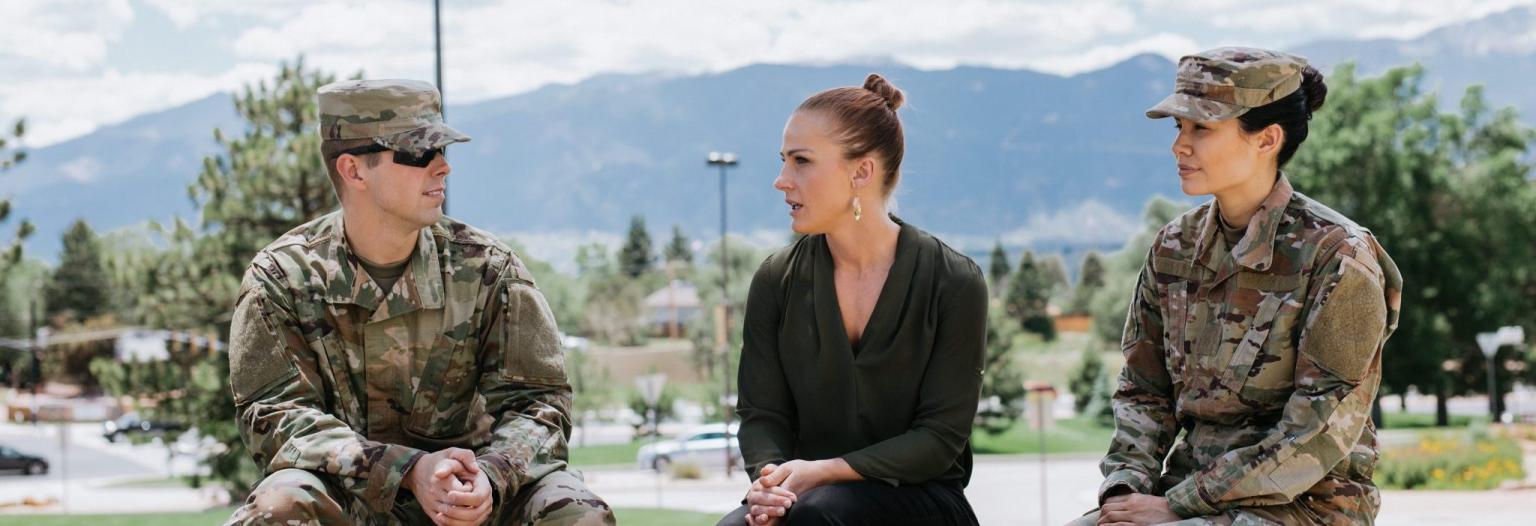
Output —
(898, 406)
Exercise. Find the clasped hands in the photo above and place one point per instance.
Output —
(451, 487)
(778, 486)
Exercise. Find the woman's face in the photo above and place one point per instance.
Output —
(1216, 156)
(818, 183)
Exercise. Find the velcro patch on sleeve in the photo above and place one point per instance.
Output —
(256, 357)
(1344, 334)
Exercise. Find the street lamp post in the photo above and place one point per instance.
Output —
(1490, 343)
(724, 160)
(437, 50)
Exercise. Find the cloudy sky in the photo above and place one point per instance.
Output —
(71, 66)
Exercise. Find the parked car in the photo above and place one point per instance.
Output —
(11, 459)
(704, 446)
(131, 423)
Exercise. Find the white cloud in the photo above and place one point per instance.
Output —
(53, 54)
(81, 170)
(72, 35)
(186, 13)
(1290, 23)
(64, 107)
(1088, 222)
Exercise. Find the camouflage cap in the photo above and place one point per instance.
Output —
(1223, 83)
(402, 115)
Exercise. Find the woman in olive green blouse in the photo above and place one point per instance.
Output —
(864, 339)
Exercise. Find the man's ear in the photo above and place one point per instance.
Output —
(348, 168)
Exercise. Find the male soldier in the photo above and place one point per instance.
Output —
(391, 365)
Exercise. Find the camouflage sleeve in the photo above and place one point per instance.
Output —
(1338, 369)
(277, 385)
(947, 396)
(524, 385)
(1145, 425)
(765, 406)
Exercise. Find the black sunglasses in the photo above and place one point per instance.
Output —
(405, 158)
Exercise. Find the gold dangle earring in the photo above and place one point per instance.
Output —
(858, 211)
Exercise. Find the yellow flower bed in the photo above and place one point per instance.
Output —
(1451, 461)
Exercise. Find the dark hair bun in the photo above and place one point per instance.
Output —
(893, 97)
(1316, 90)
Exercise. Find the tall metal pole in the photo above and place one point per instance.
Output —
(37, 357)
(437, 45)
(725, 160)
(1493, 389)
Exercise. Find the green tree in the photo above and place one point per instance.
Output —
(79, 287)
(678, 250)
(742, 261)
(635, 256)
(1108, 305)
(1084, 379)
(592, 390)
(263, 183)
(12, 154)
(1450, 197)
(1002, 387)
(1029, 294)
(1089, 282)
(998, 268)
(1054, 272)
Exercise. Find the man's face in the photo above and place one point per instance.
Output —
(410, 195)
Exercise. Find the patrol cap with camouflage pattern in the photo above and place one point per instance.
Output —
(402, 115)
(1226, 82)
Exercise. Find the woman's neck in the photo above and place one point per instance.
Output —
(867, 245)
(1239, 203)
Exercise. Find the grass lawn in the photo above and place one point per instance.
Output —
(1074, 435)
(625, 516)
(1396, 420)
(204, 518)
(605, 454)
(174, 482)
(658, 517)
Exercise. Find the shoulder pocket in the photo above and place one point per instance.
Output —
(257, 359)
(532, 342)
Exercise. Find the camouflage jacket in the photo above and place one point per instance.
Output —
(1266, 355)
(332, 375)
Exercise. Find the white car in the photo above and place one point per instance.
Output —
(705, 446)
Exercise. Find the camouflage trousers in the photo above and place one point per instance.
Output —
(1362, 512)
(298, 497)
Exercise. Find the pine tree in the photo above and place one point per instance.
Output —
(79, 288)
(635, 257)
(11, 154)
(1029, 294)
(1089, 282)
(263, 183)
(678, 250)
(999, 268)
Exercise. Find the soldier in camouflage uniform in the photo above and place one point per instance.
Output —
(451, 372)
(1261, 344)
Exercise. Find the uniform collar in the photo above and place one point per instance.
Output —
(1257, 248)
(345, 281)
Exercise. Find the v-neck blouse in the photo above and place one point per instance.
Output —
(898, 406)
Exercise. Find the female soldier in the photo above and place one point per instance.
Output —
(864, 339)
(1257, 323)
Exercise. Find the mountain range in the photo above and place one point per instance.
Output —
(1033, 159)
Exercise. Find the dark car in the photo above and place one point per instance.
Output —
(11, 459)
(131, 423)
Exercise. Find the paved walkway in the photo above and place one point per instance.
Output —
(1004, 489)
